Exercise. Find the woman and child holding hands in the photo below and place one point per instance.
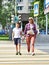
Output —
(29, 33)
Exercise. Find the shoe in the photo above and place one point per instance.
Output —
(20, 53)
(33, 54)
(28, 53)
(17, 53)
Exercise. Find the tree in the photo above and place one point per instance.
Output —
(41, 17)
(0, 10)
(5, 12)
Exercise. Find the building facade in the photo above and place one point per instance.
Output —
(23, 8)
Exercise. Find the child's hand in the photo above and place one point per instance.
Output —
(20, 33)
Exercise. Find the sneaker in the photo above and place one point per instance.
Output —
(33, 54)
(28, 53)
(17, 53)
(20, 53)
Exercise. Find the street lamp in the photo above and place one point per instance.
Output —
(12, 18)
(19, 16)
(15, 7)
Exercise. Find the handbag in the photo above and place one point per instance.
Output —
(31, 32)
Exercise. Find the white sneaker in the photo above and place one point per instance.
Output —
(28, 53)
(33, 53)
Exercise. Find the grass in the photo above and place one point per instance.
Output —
(4, 37)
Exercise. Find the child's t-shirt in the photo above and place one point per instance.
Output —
(17, 32)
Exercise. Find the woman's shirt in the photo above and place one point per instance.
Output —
(17, 32)
(30, 26)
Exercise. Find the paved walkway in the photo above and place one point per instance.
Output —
(8, 57)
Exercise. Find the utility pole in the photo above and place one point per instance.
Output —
(46, 24)
(15, 7)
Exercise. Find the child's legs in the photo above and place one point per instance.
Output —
(16, 43)
(19, 43)
(17, 48)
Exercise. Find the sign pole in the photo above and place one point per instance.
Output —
(36, 21)
(15, 7)
(46, 24)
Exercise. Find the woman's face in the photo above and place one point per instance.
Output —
(31, 21)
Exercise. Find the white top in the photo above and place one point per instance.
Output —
(31, 26)
(17, 32)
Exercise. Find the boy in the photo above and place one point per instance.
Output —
(17, 37)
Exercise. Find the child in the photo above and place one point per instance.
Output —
(17, 37)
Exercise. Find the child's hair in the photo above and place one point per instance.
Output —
(19, 24)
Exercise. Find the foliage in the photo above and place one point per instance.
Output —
(41, 17)
(5, 12)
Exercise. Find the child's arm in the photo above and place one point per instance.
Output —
(12, 35)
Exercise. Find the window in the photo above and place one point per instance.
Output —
(30, 0)
(30, 7)
(9, 0)
(19, 0)
(19, 7)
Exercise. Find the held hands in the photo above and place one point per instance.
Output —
(23, 38)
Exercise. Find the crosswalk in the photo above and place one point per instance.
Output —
(8, 57)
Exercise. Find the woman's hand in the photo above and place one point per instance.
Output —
(21, 33)
(23, 38)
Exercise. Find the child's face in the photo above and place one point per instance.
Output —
(17, 25)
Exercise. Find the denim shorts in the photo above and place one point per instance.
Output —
(17, 41)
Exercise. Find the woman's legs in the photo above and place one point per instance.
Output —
(28, 43)
(32, 43)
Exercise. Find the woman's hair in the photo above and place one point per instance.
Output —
(30, 18)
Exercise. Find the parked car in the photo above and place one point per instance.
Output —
(2, 32)
(42, 32)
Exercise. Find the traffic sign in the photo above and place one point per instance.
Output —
(36, 8)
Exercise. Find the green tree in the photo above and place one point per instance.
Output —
(41, 17)
(5, 13)
(0, 10)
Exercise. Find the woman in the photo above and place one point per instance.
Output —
(30, 33)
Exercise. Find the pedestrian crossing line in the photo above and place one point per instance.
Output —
(22, 50)
(26, 62)
(24, 56)
(24, 59)
(23, 64)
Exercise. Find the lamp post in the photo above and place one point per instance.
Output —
(15, 7)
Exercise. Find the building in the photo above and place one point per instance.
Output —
(23, 8)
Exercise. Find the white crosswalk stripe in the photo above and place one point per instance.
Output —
(8, 57)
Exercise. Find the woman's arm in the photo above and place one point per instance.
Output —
(25, 30)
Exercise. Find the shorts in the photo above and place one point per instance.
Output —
(17, 41)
